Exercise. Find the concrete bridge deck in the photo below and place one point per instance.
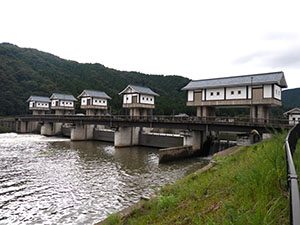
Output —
(231, 124)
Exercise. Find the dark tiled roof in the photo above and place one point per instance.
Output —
(92, 93)
(254, 79)
(292, 111)
(63, 97)
(38, 99)
(139, 89)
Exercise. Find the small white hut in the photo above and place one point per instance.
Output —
(94, 102)
(38, 104)
(63, 103)
(139, 100)
(293, 115)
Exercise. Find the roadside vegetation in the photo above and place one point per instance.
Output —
(247, 187)
(4, 129)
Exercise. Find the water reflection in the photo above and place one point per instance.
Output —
(55, 181)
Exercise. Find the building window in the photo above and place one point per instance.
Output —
(126, 98)
(151, 99)
(143, 98)
(218, 93)
(232, 92)
(211, 93)
(147, 99)
(239, 92)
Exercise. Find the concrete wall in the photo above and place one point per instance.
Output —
(160, 141)
(175, 153)
(104, 135)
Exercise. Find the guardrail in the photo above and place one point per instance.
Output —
(290, 147)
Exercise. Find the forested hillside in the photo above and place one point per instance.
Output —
(25, 72)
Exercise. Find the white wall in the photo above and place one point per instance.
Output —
(99, 102)
(53, 102)
(39, 104)
(127, 98)
(268, 91)
(84, 100)
(214, 95)
(236, 93)
(147, 99)
(190, 96)
(66, 103)
(277, 92)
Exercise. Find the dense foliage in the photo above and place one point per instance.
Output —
(25, 72)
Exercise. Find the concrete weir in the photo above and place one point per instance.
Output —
(176, 153)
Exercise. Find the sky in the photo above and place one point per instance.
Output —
(192, 38)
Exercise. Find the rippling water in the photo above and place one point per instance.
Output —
(56, 181)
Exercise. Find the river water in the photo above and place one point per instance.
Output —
(55, 181)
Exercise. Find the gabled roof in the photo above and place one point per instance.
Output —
(63, 97)
(38, 99)
(252, 79)
(139, 89)
(292, 111)
(92, 93)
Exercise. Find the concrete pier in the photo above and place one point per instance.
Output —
(47, 129)
(82, 132)
(127, 136)
(194, 139)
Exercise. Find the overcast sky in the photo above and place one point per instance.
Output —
(196, 39)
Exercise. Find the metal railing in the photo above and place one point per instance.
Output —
(290, 147)
(243, 121)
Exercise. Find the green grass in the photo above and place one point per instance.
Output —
(248, 187)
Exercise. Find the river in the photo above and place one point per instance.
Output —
(49, 180)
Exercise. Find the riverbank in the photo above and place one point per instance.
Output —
(247, 187)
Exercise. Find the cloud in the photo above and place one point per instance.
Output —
(289, 57)
(282, 36)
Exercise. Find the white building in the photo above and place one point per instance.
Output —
(139, 100)
(39, 104)
(257, 91)
(63, 103)
(293, 115)
(94, 102)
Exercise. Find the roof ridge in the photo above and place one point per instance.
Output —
(218, 78)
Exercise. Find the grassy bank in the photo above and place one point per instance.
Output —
(248, 187)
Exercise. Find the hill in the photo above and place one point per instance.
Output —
(25, 72)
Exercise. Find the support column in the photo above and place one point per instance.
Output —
(47, 129)
(22, 127)
(135, 112)
(193, 138)
(82, 132)
(127, 136)
(199, 111)
(208, 111)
